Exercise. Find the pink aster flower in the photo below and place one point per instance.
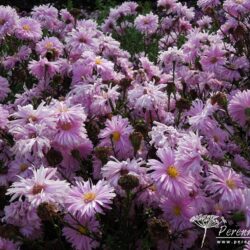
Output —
(88, 199)
(43, 68)
(28, 29)
(167, 4)
(77, 231)
(117, 133)
(189, 152)
(213, 59)
(8, 244)
(178, 211)
(4, 86)
(46, 15)
(70, 134)
(148, 96)
(114, 169)
(43, 186)
(226, 184)
(50, 44)
(24, 216)
(8, 20)
(204, 4)
(31, 139)
(239, 107)
(4, 117)
(168, 176)
(147, 24)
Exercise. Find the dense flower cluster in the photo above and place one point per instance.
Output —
(114, 135)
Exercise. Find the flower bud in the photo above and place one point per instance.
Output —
(183, 104)
(54, 157)
(136, 139)
(47, 211)
(219, 98)
(102, 153)
(128, 182)
(159, 229)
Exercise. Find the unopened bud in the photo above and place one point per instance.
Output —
(136, 139)
(54, 157)
(220, 99)
(128, 182)
(102, 153)
(47, 211)
(159, 229)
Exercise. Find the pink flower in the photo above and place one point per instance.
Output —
(8, 244)
(226, 184)
(50, 45)
(114, 169)
(189, 152)
(5, 90)
(239, 107)
(87, 199)
(77, 231)
(24, 216)
(4, 117)
(43, 186)
(168, 176)
(43, 68)
(213, 59)
(178, 211)
(117, 133)
(28, 29)
(8, 20)
(147, 24)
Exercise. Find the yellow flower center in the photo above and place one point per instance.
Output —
(231, 184)
(82, 230)
(32, 118)
(116, 136)
(98, 61)
(66, 126)
(172, 171)
(152, 188)
(49, 45)
(239, 1)
(23, 167)
(26, 27)
(89, 196)
(177, 211)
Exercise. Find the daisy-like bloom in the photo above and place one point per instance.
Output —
(4, 117)
(213, 59)
(148, 96)
(27, 114)
(24, 216)
(65, 112)
(147, 24)
(116, 134)
(43, 186)
(168, 177)
(164, 136)
(239, 107)
(19, 167)
(46, 15)
(28, 29)
(167, 4)
(31, 139)
(43, 68)
(70, 134)
(77, 233)
(178, 211)
(199, 115)
(87, 199)
(236, 7)
(204, 4)
(4, 86)
(81, 39)
(226, 184)
(189, 152)
(8, 20)
(114, 169)
(50, 45)
(8, 244)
